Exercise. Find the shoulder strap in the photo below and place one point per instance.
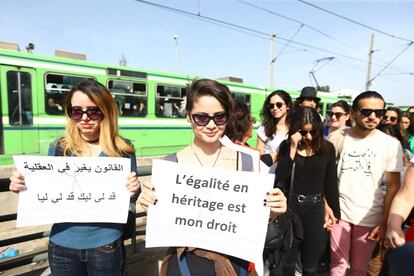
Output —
(182, 265)
(247, 162)
(292, 179)
(171, 157)
(55, 148)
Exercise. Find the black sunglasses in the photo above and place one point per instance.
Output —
(392, 118)
(305, 132)
(93, 113)
(367, 112)
(336, 114)
(203, 119)
(277, 104)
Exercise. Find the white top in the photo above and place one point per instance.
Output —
(361, 166)
(271, 145)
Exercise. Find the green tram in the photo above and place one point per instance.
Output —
(150, 103)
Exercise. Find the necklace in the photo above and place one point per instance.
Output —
(90, 141)
(199, 160)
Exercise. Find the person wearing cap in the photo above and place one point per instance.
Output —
(308, 97)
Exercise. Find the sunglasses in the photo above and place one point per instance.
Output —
(203, 119)
(367, 112)
(305, 132)
(277, 104)
(93, 113)
(336, 114)
(391, 118)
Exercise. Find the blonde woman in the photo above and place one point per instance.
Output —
(91, 130)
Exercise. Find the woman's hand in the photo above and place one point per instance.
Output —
(276, 200)
(294, 142)
(395, 237)
(17, 183)
(133, 183)
(295, 139)
(147, 196)
(330, 218)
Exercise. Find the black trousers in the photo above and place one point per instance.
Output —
(312, 215)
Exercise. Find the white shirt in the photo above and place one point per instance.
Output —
(271, 145)
(361, 166)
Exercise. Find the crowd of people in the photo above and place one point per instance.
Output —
(342, 175)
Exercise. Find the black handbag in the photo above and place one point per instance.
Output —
(281, 233)
(281, 227)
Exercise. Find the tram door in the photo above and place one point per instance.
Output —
(20, 134)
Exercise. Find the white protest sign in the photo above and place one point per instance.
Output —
(72, 189)
(214, 209)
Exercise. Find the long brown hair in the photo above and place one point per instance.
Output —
(307, 115)
(109, 140)
(268, 121)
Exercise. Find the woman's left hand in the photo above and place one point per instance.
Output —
(330, 218)
(276, 200)
(133, 183)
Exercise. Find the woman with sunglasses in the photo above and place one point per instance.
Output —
(314, 182)
(209, 107)
(392, 116)
(274, 115)
(91, 131)
(339, 116)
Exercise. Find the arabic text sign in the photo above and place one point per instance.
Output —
(72, 189)
(214, 209)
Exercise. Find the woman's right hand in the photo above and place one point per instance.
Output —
(395, 237)
(147, 196)
(295, 139)
(17, 182)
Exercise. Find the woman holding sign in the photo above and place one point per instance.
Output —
(209, 107)
(91, 131)
(314, 182)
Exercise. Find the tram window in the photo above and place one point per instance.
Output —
(170, 101)
(243, 98)
(56, 86)
(131, 97)
(19, 92)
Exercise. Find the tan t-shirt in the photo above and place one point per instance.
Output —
(361, 166)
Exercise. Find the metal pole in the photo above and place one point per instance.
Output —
(176, 50)
(272, 58)
(19, 90)
(370, 52)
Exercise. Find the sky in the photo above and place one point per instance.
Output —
(106, 30)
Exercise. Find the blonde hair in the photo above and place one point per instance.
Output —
(111, 143)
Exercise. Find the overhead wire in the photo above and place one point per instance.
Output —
(205, 17)
(299, 22)
(389, 63)
(287, 44)
(249, 31)
(354, 21)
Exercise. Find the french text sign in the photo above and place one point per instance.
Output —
(72, 189)
(214, 209)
